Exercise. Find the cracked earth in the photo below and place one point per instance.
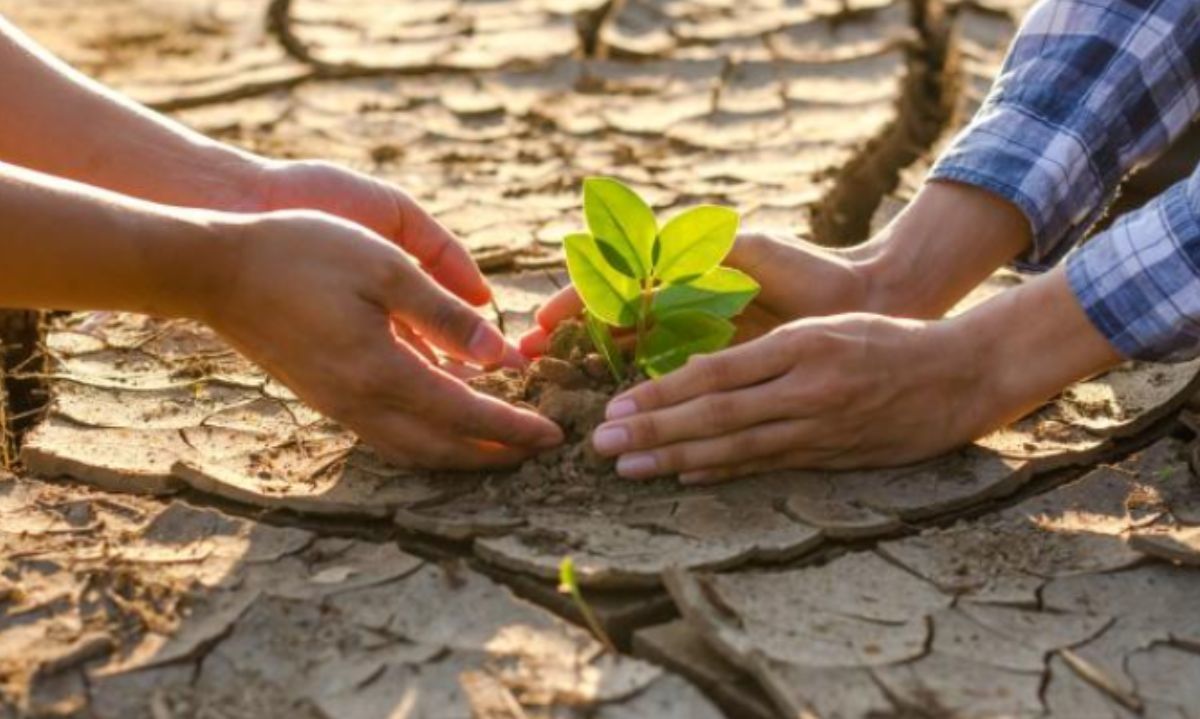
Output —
(183, 538)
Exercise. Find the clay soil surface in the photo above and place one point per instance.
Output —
(181, 537)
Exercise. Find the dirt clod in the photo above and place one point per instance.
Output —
(570, 385)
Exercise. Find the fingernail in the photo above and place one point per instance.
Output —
(532, 344)
(610, 439)
(550, 441)
(486, 345)
(619, 408)
(637, 466)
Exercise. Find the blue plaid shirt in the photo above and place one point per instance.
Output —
(1090, 91)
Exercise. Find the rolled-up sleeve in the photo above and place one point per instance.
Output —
(1139, 280)
(1088, 92)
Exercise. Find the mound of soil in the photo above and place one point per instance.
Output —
(571, 385)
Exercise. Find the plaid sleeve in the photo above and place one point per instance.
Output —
(1090, 90)
(1139, 281)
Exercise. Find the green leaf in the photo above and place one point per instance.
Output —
(695, 241)
(618, 217)
(608, 294)
(567, 583)
(722, 291)
(679, 335)
(615, 259)
(605, 345)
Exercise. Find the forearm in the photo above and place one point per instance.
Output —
(1089, 92)
(59, 122)
(947, 241)
(1025, 346)
(70, 246)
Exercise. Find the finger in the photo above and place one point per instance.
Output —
(440, 253)
(420, 389)
(442, 318)
(404, 334)
(512, 358)
(407, 441)
(564, 305)
(737, 447)
(753, 251)
(534, 343)
(746, 364)
(707, 416)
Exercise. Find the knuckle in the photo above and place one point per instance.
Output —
(672, 459)
(448, 321)
(714, 371)
(649, 395)
(749, 444)
(718, 411)
(646, 431)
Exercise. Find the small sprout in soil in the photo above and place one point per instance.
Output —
(568, 584)
(666, 284)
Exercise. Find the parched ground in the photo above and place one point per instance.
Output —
(183, 538)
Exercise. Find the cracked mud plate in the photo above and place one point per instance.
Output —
(155, 407)
(119, 606)
(1041, 608)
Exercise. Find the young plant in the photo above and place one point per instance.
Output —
(568, 584)
(664, 284)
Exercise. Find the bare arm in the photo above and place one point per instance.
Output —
(59, 122)
(269, 283)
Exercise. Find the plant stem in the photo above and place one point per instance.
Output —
(643, 316)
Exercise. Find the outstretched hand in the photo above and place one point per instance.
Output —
(380, 207)
(326, 296)
(850, 390)
(856, 390)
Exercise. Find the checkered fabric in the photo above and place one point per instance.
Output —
(1090, 91)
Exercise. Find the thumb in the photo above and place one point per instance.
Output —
(445, 320)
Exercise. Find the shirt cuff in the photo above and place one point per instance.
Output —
(1139, 281)
(1048, 171)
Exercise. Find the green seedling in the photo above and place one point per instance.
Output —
(568, 584)
(665, 284)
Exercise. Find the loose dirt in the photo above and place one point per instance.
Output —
(571, 385)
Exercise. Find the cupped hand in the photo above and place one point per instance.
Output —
(798, 279)
(380, 207)
(346, 320)
(852, 390)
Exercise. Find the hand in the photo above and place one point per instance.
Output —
(380, 207)
(345, 319)
(855, 390)
(798, 279)
(852, 390)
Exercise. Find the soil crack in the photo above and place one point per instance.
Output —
(843, 217)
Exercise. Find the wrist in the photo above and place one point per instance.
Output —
(195, 261)
(235, 181)
(949, 239)
(1029, 343)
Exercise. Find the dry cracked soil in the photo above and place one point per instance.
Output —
(181, 537)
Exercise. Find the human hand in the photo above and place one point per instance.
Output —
(797, 279)
(348, 322)
(378, 206)
(832, 392)
(855, 390)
